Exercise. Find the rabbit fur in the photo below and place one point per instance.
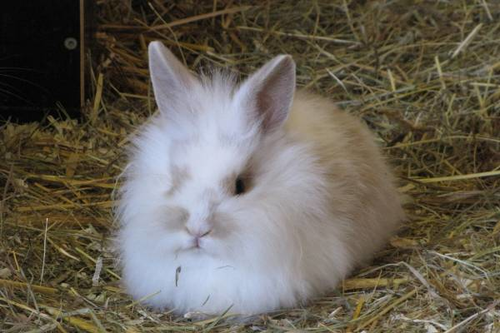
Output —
(249, 197)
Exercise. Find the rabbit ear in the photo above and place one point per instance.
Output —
(268, 93)
(171, 79)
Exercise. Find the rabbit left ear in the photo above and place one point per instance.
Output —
(268, 93)
(171, 79)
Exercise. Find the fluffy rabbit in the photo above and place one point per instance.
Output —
(248, 197)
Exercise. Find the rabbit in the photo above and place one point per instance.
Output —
(247, 198)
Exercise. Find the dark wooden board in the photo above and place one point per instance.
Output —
(41, 58)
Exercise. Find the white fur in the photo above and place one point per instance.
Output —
(296, 232)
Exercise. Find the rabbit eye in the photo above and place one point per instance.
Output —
(239, 186)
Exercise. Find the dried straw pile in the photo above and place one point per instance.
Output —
(425, 75)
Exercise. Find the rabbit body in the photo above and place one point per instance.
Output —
(249, 198)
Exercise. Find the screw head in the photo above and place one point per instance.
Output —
(70, 43)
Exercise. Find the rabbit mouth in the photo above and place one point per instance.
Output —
(195, 245)
(189, 252)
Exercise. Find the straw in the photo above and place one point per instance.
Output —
(424, 77)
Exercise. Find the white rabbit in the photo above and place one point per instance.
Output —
(248, 197)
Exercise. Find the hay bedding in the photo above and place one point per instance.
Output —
(423, 74)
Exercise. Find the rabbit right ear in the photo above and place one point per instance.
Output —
(269, 92)
(171, 79)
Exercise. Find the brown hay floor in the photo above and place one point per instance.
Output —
(424, 75)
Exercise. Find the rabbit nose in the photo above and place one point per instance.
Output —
(199, 231)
